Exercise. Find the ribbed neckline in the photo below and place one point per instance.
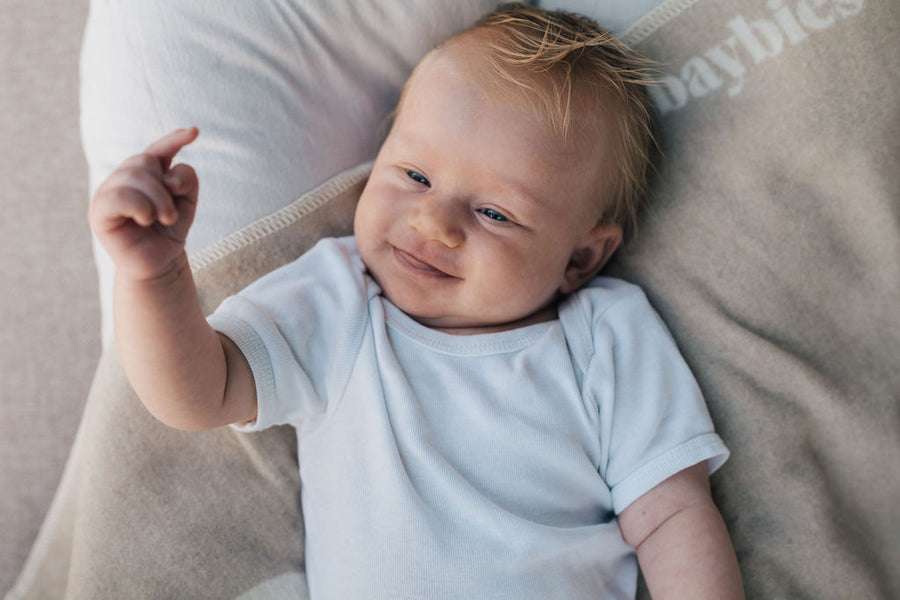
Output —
(464, 345)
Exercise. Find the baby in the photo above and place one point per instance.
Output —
(479, 414)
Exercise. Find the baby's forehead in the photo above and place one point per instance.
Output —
(579, 115)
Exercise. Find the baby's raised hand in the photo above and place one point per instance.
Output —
(142, 212)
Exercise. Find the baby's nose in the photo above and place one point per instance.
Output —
(438, 221)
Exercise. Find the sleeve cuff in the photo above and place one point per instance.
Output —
(253, 349)
(708, 447)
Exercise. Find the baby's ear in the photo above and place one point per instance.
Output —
(590, 255)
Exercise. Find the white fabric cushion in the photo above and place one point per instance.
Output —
(615, 15)
(285, 94)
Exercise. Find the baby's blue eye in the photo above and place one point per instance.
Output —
(418, 177)
(492, 214)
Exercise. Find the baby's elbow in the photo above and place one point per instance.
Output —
(184, 417)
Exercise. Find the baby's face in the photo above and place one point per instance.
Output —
(475, 208)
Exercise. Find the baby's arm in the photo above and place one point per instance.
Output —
(682, 544)
(186, 374)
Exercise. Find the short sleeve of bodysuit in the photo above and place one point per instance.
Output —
(653, 418)
(299, 328)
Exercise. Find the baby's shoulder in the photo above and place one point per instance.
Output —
(330, 274)
(604, 315)
(605, 298)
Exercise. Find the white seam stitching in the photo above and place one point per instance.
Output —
(281, 218)
(655, 19)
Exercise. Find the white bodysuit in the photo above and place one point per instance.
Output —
(485, 466)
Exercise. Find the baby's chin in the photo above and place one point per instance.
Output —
(437, 310)
(457, 324)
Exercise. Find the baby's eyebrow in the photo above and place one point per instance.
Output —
(523, 192)
(405, 139)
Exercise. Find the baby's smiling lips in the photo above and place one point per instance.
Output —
(418, 265)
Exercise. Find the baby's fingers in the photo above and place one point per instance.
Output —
(165, 148)
(151, 188)
(111, 210)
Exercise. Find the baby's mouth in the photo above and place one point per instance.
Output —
(418, 265)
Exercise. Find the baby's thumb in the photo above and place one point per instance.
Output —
(181, 180)
(182, 183)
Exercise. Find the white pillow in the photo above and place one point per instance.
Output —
(285, 94)
(615, 15)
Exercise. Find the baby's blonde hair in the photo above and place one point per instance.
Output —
(556, 57)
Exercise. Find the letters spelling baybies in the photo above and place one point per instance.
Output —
(723, 67)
